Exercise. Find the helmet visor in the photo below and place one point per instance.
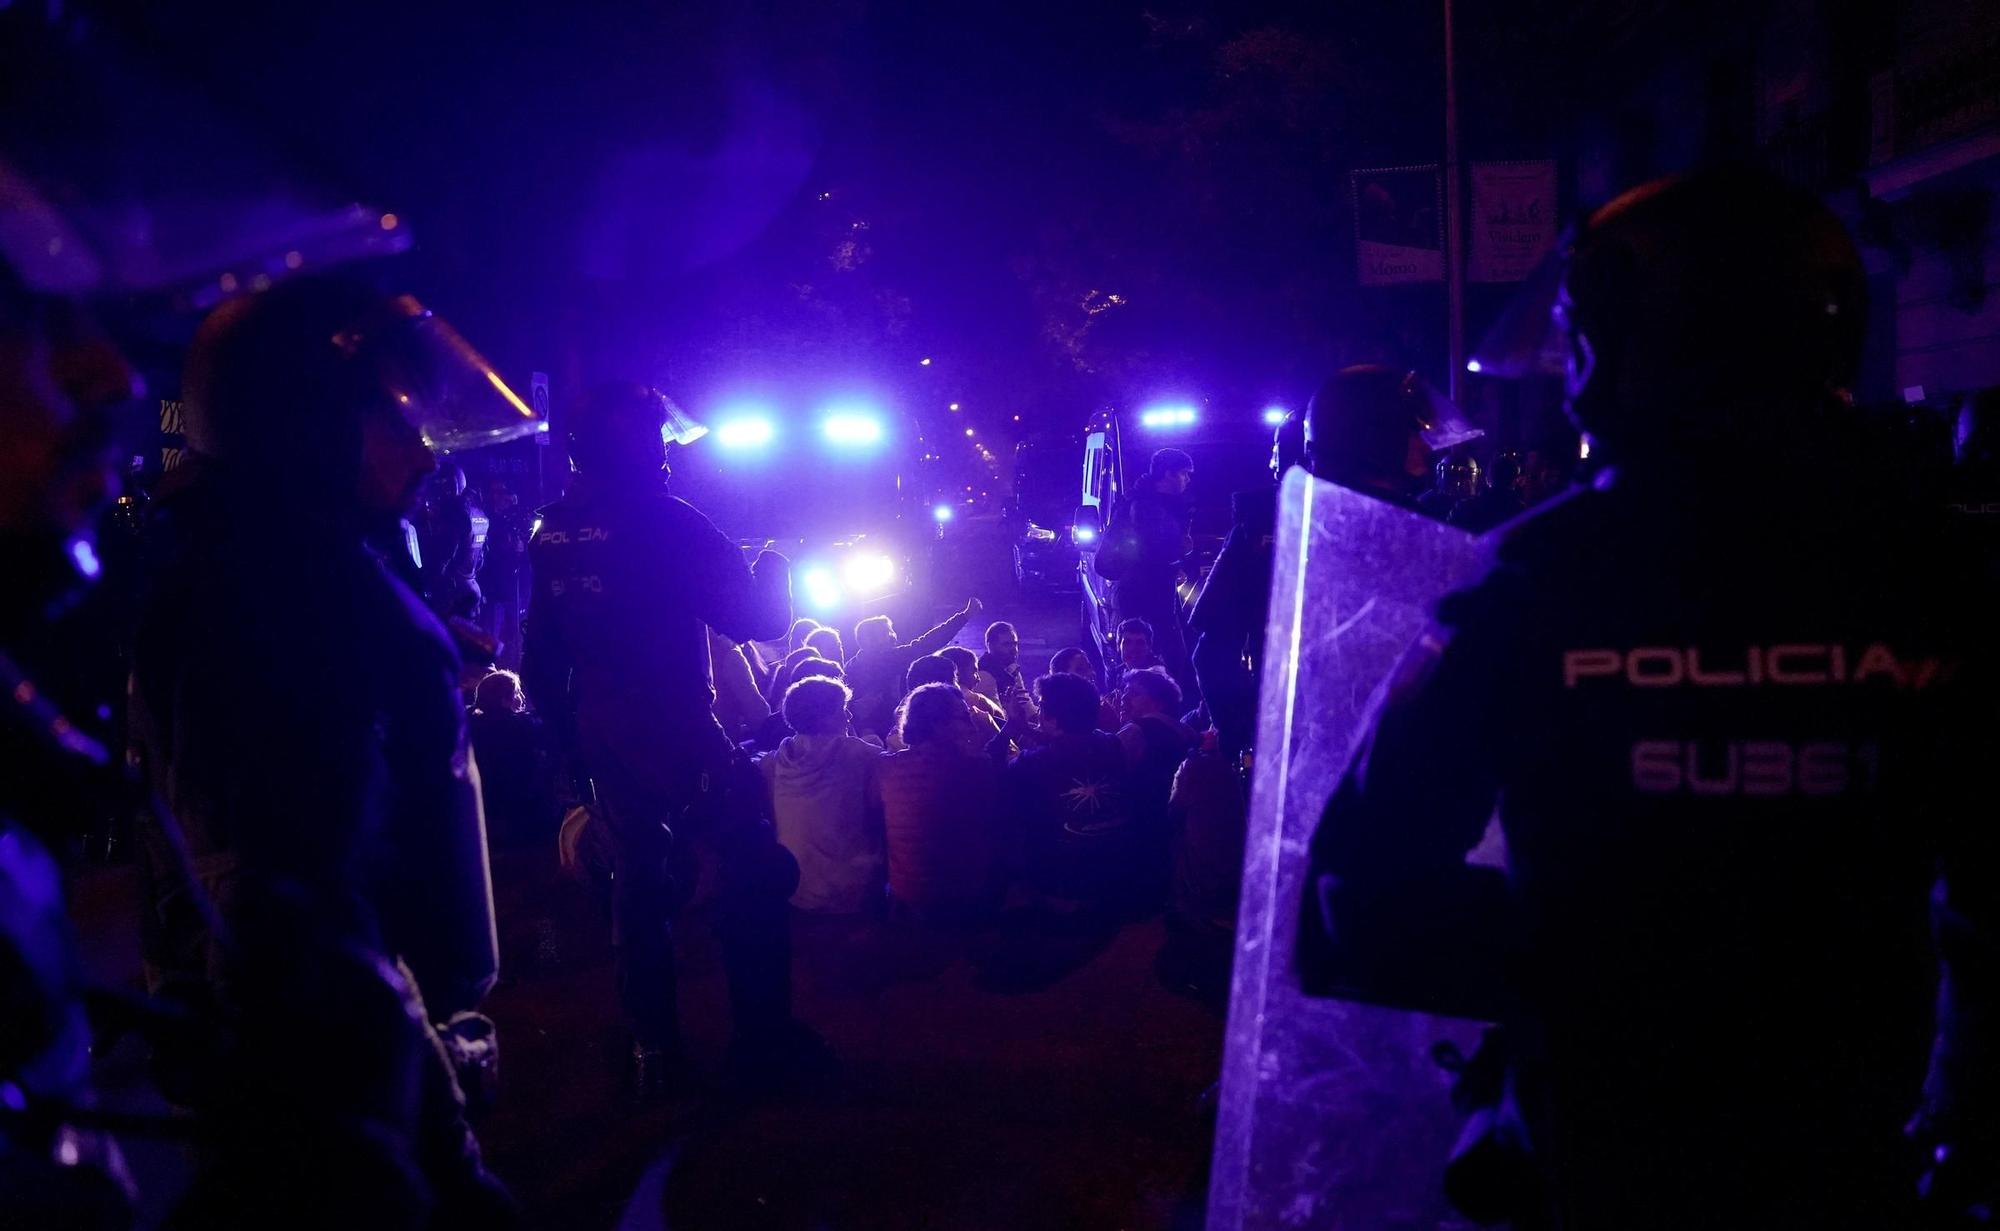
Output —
(443, 387)
(1527, 338)
(1440, 423)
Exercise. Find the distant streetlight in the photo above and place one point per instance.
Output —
(969, 432)
(954, 405)
(925, 361)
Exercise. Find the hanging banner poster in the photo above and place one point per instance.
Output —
(1398, 225)
(1513, 219)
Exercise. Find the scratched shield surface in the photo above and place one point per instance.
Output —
(1332, 1114)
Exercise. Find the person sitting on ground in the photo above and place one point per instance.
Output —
(795, 637)
(795, 640)
(1074, 660)
(774, 730)
(826, 643)
(819, 785)
(1067, 794)
(938, 669)
(510, 748)
(881, 661)
(1000, 666)
(938, 806)
(967, 663)
(781, 679)
(1135, 650)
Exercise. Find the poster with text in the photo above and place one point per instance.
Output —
(1513, 219)
(1398, 225)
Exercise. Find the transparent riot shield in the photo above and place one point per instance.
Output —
(1333, 1114)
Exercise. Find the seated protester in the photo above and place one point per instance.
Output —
(819, 784)
(516, 780)
(1068, 797)
(1000, 667)
(795, 640)
(1135, 651)
(880, 662)
(967, 663)
(1155, 744)
(1074, 661)
(795, 637)
(773, 730)
(739, 706)
(826, 644)
(781, 679)
(938, 807)
(937, 669)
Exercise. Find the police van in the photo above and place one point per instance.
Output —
(844, 493)
(1231, 448)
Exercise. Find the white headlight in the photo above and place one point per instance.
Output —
(820, 589)
(868, 572)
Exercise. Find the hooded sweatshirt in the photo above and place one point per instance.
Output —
(819, 797)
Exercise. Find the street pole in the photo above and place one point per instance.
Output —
(1454, 267)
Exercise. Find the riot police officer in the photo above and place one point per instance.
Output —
(1368, 427)
(1228, 616)
(1375, 429)
(1458, 481)
(1729, 702)
(336, 829)
(627, 580)
(448, 544)
(1498, 500)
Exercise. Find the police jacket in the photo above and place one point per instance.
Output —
(1732, 724)
(298, 710)
(626, 585)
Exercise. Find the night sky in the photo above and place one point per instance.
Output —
(1063, 205)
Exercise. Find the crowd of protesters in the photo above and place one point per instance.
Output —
(926, 783)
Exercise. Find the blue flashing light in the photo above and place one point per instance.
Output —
(941, 513)
(821, 590)
(852, 429)
(1472, 365)
(746, 432)
(85, 556)
(1274, 416)
(1083, 534)
(1167, 417)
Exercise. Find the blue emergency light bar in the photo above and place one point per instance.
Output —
(1167, 417)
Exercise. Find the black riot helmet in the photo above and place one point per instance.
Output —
(286, 388)
(1458, 475)
(1374, 428)
(620, 433)
(1720, 311)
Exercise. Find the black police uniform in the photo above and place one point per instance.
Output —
(1228, 619)
(1734, 739)
(615, 651)
(297, 709)
(1149, 589)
